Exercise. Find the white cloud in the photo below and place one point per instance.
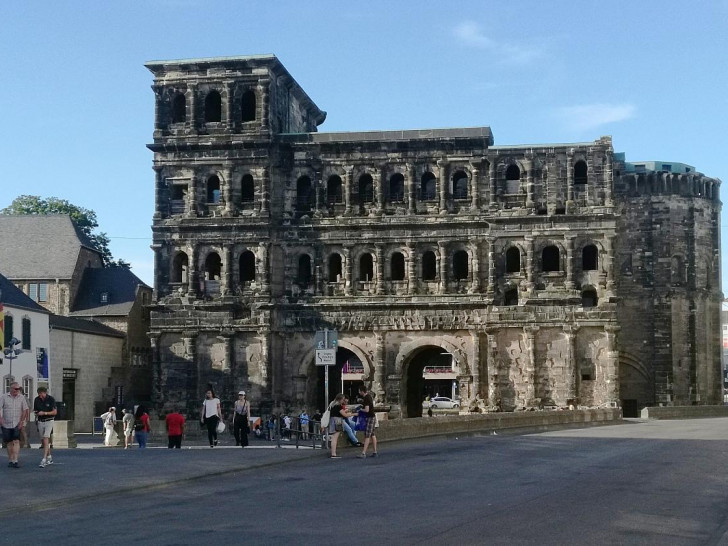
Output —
(471, 34)
(590, 116)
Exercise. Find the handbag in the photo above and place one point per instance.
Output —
(220, 427)
(325, 418)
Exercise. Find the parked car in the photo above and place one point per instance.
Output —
(443, 402)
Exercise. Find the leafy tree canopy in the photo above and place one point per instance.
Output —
(83, 219)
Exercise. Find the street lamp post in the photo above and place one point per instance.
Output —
(11, 353)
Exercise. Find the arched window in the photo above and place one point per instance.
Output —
(247, 267)
(513, 260)
(460, 185)
(213, 107)
(213, 267)
(247, 189)
(513, 172)
(589, 297)
(460, 265)
(397, 267)
(580, 172)
(366, 189)
(589, 258)
(510, 296)
(429, 266)
(180, 268)
(179, 108)
(550, 258)
(334, 268)
(428, 187)
(333, 190)
(396, 188)
(303, 278)
(304, 194)
(366, 268)
(25, 341)
(213, 189)
(247, 106)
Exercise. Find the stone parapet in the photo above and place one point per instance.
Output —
(683, 412)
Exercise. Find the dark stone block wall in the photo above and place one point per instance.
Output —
(545, 275)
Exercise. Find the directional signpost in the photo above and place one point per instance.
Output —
(326, 343)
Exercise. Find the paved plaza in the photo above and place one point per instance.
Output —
(641, 482)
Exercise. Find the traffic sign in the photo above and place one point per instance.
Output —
(326, 339)
(325, 357)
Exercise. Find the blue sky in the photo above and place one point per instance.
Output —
(77, 107)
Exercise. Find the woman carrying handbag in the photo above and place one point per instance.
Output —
(337, 415)
(211, 415)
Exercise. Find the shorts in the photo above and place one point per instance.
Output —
(10, 434)
(335, 425)
(45, 428)
(371, 423)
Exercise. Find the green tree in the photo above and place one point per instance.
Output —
(83, 219)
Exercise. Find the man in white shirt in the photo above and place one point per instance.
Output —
(14, 413)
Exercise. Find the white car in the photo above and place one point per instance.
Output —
(443, 402)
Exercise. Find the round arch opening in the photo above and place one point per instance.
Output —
(429, 372)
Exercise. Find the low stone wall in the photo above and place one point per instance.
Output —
(418, 427)
(683, 412)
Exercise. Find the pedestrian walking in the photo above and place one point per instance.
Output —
(271, 426)
(211, 415)
(337, 415)
(127, 423)
(371, 421)
(44, 407)
(141, 426)
(286, 427)
(14, 413)
(303, 424)
(241, 423)
(109, 420)
(175, 423)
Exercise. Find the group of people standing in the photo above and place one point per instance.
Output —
(339, 420)
(14, 416)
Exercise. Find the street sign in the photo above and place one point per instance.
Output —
(325, 357)
(326, 339)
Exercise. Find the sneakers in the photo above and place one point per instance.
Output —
(373, 454)
(10, 464)
(43, 463)
(49, 460)
(15, 465)
(334, 456)
(361, 456)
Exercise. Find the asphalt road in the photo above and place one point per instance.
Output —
(660, 482)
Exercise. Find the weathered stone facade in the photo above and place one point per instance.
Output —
(551, 274)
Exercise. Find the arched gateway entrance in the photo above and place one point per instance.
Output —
(429, 371)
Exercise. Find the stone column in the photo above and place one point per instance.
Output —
(158, 121)
(492, 182)
(265, 191)
(570, 179)
(570, 366)
(612, 367)
(159, 271)
(192, 197)
(348, 271)
(229, 91)
(189, 341)
(158, 185)
(530, 371)
(229, 286)
(317, 192)
(266, 372)
(608, 178)
(608, 266)
(379, 365)
(379, 188)
(411, 270)
(157, 388)
(227, 192)
(194, 275)
(348, 174)
(494, 401)
(264, 95)
(475, 269)
(529, 263)
(475, 363)
(442, 249)
(263, 273)
(191, 113)
(530, 204)
(490, 291)
(442, 164)
(569, 242)
(411, 189)
(227, 362)
(474, 197)
(379, 273)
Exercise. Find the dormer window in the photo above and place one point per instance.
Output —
(104, 297)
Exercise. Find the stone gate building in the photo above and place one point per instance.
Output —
(545, 275)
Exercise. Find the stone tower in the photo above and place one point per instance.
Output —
(534, 275)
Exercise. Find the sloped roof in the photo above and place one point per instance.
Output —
(120, 285)
(82, 325)
(38, 246)
(12, 296)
